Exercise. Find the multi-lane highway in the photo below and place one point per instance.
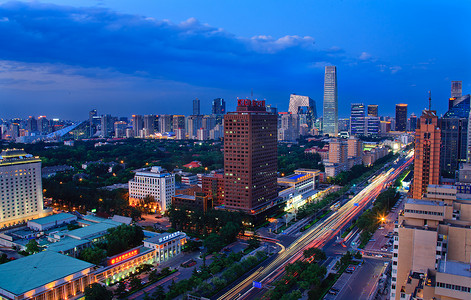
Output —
(318, 235)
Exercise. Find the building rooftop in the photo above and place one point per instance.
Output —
(455, 268)
(164, 237)
(30, 272)
(53, 218)
(66, 244)
(423, 202)
(90, 231)
(188, 197)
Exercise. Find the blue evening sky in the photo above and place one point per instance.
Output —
(63, 58)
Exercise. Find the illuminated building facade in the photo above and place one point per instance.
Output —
(330, 116)
(156, 183)
(357, 119)
(20, 187)
(427, 154)
(250, 156)
(166, 245)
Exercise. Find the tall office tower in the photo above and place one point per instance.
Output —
(456, 90)
(288, 129)
(427, 153)
(196, 107)
(412, 122)
(372, 126)
(218, 107)
(14, 130)
(43, 125)
(454, 136)
(344, 124)
(137, 124)
(330, 116)
(305, 107)
(401, 117)
(355, 147)
(120, 129)
(157, 183)
(32, 125)
(357, 119)
(91, 123)
(178, 122)
(107, 125)
(338, 151)
(149, 124)
(165, 123)
(250, 156)
(21, 187)
(431, 251)
(373, 110)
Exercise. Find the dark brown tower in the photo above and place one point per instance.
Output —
(250, 156)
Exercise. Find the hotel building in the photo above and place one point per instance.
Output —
(20, 187)
(156, 183)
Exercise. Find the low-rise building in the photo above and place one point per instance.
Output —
(49, 222)
(197, 201)
(167, 245)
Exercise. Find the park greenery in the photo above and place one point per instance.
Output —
(369, 221)
(217, 227)
(300, 276)
(117, 240)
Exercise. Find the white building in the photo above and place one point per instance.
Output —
(156, 183)
(168, 245)
(20, 187)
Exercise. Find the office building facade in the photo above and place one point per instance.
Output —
(330, 116)
(401, 117)
(427, 154)
(456, 89)
(250, 156)
(373, 110)
(357, 119)
(218, 107)
(196, 107)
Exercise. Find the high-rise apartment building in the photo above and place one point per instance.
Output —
(427, 153)
(401, 117)
(107, 126)
(120, 129)
(20, 187)
(456, 89)
(373, 110)
(165, 123)
(338, 151)
(288, 129)
(149, 125)
(250, 156)
(218, 107)
(355, 147)
(91, 114)
(431, 250)
(196, 107)
(330, 122)
(357, 119)
(43, 125)
(178, 122)
(156, 183)
(193, 124)
(32, 125)
(137, 124)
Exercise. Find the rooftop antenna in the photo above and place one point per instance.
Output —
(429, 100)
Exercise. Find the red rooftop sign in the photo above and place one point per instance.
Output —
(124, 256)
(247, 102)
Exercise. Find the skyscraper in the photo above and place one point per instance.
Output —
(412, 122)
(21, 189)
(305, 107)
(456, 90)
(373, 110)
(357, 119)
(427, 153)
(401, 117)
(218, 107)
(196, 107)
(165, 123)
(178, 122)
(137, 124)
(330, 126)
(372, 126)
(149, 124)
(250, 157)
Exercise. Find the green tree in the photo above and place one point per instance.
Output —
(159, 293)
(96, 291)
(253, 242)
(32, 247)
(316, 253)
(93, 255)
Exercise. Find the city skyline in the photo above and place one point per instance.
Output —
(67, 74)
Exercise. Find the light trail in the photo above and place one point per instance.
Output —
(318, 235)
